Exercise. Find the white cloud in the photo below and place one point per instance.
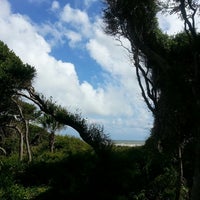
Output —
(73, 25)
(170, 24)
(55, 5)
(77, 19)
(115, 60)
(73, 37)
(89, 2)
(53, 31)
(5, 9)
(118, 96)
(107, 52)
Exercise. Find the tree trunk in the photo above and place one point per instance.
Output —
(21, 148)
(21, 143)
(180, 171)
(196, 179)
(27, 141)
(51, 141)
(19, 131)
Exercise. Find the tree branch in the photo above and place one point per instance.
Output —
(137, 65)
(91, 134)
(3, 150)
(190, 25)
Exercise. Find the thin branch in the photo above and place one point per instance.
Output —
(122, 45)
(194, 12)
(3, 150)
(148, 82)
(185, 17)
(137, 65)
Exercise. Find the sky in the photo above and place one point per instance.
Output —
(77, 64)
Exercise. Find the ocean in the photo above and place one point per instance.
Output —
(130, 143)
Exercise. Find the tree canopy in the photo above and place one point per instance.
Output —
(14, 76)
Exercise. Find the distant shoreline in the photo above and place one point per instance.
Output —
(130, 143)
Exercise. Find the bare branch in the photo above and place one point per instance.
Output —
(194, 12)
(3, 150)
(191, 26)
(122, 45)
(137, 65)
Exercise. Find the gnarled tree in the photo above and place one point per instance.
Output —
(16, 82)
(92, 134)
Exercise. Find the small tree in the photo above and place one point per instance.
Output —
(51, 125)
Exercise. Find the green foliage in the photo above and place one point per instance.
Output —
(164, 185)
(75, 171)
(13, 71)
(70, 144)
(10, 189)
(17, 192)
(119, 14)
(11, 143)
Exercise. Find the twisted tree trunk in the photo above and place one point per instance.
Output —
(27, 140)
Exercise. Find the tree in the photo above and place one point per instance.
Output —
(27, 112)
(14, 77)
(92, 134)
(50, 124)
(167, 69)
(16, 81)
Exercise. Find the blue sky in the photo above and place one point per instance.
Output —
(77, 64)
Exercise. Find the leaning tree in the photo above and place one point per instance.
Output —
(167, 70)
(16, 83)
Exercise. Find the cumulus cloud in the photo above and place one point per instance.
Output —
(108, 53)
(73, 25)
(88, 3)
(118, 96)
(73, 37)
(55, 5)
(52, 32)
(5, 9)
(77, 19)
(170, 24)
